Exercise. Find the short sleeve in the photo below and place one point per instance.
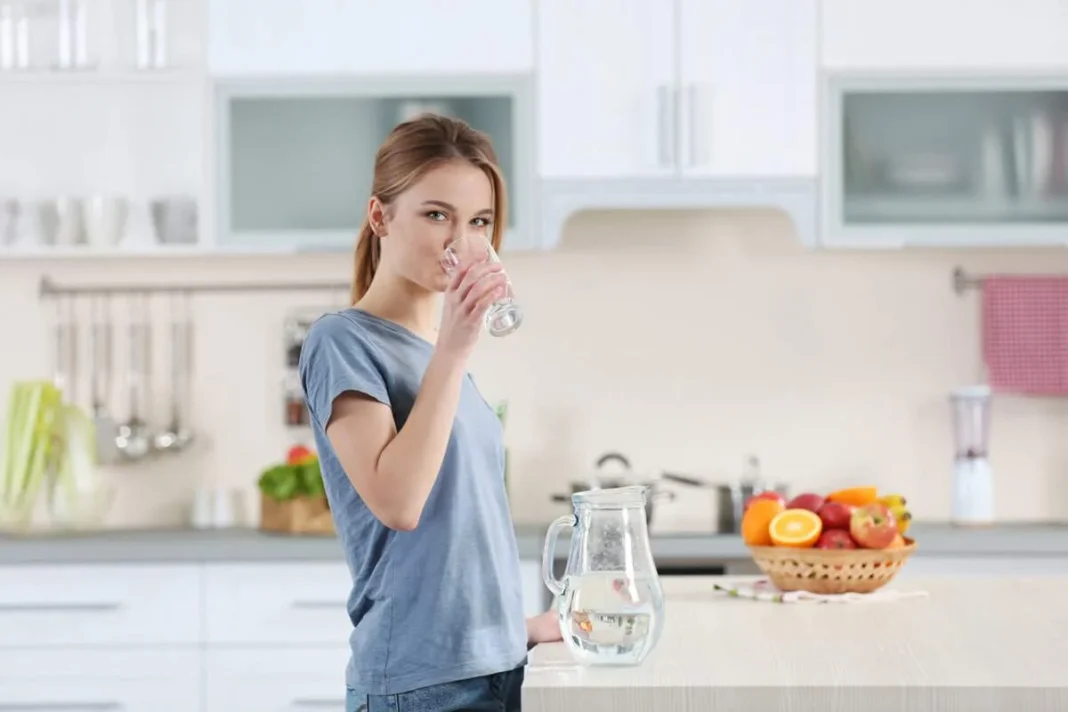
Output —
(337, 357)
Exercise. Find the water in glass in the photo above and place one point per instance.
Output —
(609, 602)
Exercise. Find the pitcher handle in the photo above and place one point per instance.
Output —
(551, 582)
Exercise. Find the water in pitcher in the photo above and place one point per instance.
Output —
(610, 619)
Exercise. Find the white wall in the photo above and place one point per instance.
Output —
(685, 340)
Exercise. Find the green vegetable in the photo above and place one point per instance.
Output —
(283, 482)
(34, 442)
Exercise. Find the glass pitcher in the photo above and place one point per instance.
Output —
(609, 603)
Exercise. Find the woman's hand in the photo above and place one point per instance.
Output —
(471, 292)
(543, 628)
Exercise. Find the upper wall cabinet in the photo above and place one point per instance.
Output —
(606, 88)
(951, 160)
(703, 88)
(945, 34)
(294, 157)
(370, 37)
(677, 104)
(748, 82)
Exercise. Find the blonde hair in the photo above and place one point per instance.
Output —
(411, 150)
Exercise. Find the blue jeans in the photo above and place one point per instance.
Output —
(500, 692)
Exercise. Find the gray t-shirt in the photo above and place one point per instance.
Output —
(443, 602)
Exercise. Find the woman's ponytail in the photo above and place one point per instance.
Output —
(366, 259)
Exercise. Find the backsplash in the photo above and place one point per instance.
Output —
(685, 340)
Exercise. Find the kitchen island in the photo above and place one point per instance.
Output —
(969, 644)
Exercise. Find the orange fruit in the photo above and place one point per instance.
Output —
(798, 528)
(757, 519)
(856, 496)
(897, 543)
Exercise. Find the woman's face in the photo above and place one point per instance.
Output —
(449, 200)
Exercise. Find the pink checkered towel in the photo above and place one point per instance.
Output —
(1025, 334)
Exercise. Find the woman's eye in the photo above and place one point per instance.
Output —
(481, 222)
(436, 215)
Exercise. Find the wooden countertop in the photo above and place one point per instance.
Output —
(971, 643)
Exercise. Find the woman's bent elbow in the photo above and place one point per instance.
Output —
(400, 521)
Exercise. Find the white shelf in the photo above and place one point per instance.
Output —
(90, 77)
(85, 252)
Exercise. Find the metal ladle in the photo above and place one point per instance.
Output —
(100, 372)
(133, 438)
(177, 436)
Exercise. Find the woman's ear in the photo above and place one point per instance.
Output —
(376, 216)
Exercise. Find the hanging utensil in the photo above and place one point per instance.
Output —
(133, 439)
(71, 467)
(177, 436)
(66, 350)
(100, 372)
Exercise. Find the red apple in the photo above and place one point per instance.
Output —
(835, 539)
(873, 526)
(809, 501)
(836, 515)
(766, 494)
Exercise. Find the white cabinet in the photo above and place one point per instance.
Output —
(944, 34)
(749, 82)
(277, 603)
(99, 605)
(100, 680)
(281, 680)
(713, 88)
(606, 88)
(369, 37)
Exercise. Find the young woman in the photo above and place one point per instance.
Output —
(411, 454)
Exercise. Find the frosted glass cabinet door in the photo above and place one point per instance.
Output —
(606, 88)
(369, 37)
(967, 161)
(295, 159)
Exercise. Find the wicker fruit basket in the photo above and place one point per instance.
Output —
(830, 571)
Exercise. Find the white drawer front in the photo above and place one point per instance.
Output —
(308, 680)
(277, 603)
(99, 605)
(100, 681)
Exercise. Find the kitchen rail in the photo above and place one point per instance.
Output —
(49, 289)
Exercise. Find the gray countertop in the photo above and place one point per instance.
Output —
(129, 546)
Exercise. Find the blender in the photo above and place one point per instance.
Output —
(973, 480)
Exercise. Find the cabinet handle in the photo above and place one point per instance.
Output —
(666, 129)
(61, 707)
(333, 605)
(58, 608)
(318, 703)
(691, 100)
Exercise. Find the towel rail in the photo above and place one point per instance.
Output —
(962, 281)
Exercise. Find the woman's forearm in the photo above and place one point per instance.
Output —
(409, 464)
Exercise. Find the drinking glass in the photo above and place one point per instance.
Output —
(504, 316)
